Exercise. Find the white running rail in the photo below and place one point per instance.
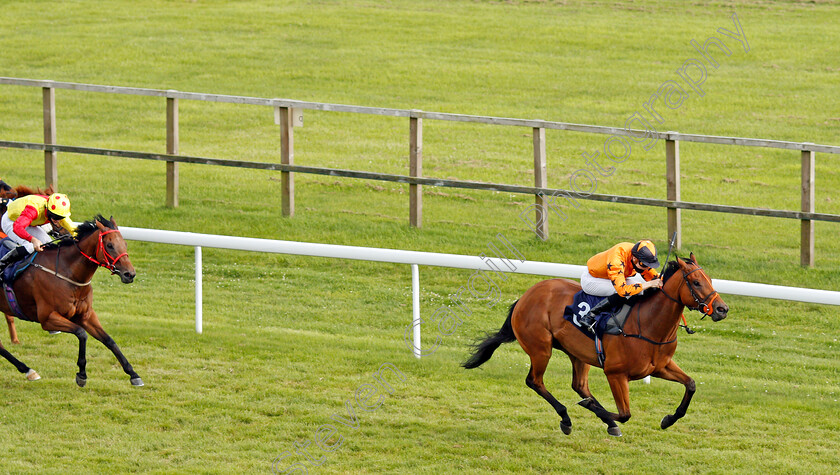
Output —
(416, 258)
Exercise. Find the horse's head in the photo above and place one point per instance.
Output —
(694, 289)
(112, 252)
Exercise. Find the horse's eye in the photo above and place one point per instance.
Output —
(109, 246)
(697, 283)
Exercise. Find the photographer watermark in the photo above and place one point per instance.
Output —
(616, 148)
(480, 285)
(328, 437)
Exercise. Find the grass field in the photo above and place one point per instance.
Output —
(289, 340)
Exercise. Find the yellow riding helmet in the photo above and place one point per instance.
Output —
(59, 205)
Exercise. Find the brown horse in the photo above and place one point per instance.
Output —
(7, 194)
(55, 290)
(645, 347)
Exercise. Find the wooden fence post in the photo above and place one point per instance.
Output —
(50, 157)
(287, 157)
(672, 176)
(540, 181)
(807, 226)
(172, 144)
(415, 169)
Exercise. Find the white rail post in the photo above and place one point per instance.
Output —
(198, 271)
(415, 307)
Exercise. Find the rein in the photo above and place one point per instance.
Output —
(702, 307)
(640, 336)
(66, 279)
(110, 261)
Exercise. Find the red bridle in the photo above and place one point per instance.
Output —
(110, 261)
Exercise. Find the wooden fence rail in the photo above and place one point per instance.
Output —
(288, 114)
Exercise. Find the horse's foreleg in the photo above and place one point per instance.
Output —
(620, 387)
(10, 321)
(580, 383)
(57, 322)
(92, 325)
(672, 372)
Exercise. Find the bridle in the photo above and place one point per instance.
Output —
(703, 305)
(110, 261)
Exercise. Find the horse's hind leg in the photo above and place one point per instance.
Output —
(534, 380)
(31, 374)
(580, 383)
(10, 321)
(672, 372)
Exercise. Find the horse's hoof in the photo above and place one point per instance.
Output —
(81, 381)
(136, 382)
(567, 429)
(666, 422)
(32, 375)
(614, 431)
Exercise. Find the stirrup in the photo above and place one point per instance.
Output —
(588, 322)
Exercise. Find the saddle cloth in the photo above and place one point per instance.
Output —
(15, 268)
(609, 323)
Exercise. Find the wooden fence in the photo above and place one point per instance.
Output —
(289, 113)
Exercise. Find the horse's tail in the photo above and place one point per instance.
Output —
(484, 349)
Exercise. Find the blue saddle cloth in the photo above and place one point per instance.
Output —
(14, 269)
(580, 306)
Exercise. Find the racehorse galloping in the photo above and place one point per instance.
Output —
(55, 290)
(645, 347)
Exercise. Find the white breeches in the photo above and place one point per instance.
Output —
(35, 231)
(602, 287)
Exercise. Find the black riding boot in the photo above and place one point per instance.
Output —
(609, 303)
(13, 255)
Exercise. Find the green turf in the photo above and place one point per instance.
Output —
(288, 340)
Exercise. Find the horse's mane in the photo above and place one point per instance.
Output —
(23, 190)
(670, 269)
(86, 229)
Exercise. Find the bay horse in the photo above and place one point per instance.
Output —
(55, 290)
(645, 347)
(7, 194)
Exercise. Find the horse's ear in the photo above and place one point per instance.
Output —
(113, 222)
(691, 256)
(680, 261)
